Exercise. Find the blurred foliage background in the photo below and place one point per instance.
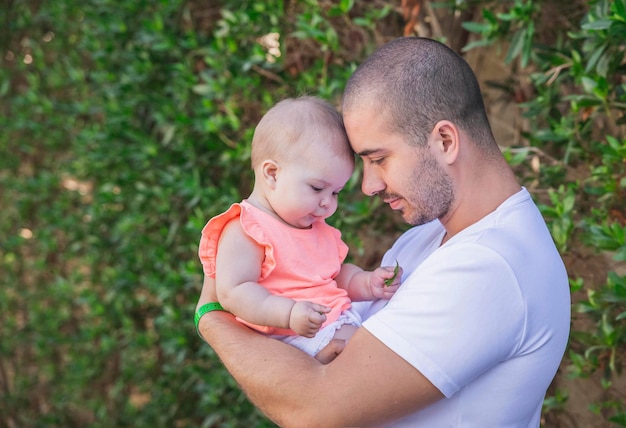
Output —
(126, 125)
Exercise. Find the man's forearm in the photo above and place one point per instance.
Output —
(255, 360)
(295, 390)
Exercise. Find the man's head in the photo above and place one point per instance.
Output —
(407, 97)
(416, 82)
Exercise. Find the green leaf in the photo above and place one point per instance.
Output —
(619, 8)
(602, 24)
(516, 46)
(389, 281)
(476, 27)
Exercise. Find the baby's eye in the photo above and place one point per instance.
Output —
(316, 189)
(336, 193)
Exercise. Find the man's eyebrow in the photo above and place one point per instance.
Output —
(368, 152)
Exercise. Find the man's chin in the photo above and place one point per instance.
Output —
(414, 220)
(408, 219)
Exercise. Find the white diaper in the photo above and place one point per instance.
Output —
(323, 337)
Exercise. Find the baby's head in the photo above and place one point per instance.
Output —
(294, 127)
(301, 159)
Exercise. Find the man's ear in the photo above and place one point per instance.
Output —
(447, 140)
(269, 169)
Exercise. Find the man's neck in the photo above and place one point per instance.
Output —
(478, 199)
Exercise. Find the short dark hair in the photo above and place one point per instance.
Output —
(417, 82)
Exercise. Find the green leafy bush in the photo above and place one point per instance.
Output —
(126, 126)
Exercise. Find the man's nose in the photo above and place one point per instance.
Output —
(372, 184)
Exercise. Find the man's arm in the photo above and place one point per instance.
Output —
(367, 384)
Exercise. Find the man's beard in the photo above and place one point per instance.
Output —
(430, 193)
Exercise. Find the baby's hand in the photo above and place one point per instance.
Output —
(385, 281)
(306, 318)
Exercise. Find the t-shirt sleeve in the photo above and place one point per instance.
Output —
(457, 315)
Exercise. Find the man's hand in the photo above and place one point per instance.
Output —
(331, 351)
(306, 318)
(208, 293)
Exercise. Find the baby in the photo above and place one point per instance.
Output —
(278, 266)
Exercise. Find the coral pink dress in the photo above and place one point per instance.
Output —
(299, 263)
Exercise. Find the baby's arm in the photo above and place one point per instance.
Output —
(238, 268)
(361, 285)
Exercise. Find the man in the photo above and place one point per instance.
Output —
(477, 330)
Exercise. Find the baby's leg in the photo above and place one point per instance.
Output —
(335, 347)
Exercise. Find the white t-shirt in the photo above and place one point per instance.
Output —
(485, 317)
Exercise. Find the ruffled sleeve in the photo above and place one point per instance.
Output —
(213, 230)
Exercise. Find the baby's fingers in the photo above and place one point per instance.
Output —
(318, 315)
(393, 277)
(313, 327)
(320, 308)
(391, 288)
(388, 292)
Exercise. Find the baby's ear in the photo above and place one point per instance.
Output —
(269, 169)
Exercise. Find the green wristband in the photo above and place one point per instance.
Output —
(207, 307)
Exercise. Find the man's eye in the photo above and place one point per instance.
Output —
(377, 161)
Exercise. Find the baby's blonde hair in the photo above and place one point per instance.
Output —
(288, 130)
